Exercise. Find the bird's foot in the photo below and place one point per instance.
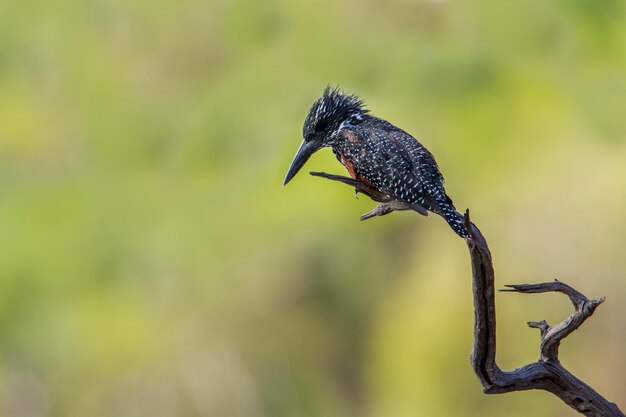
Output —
(379, 210)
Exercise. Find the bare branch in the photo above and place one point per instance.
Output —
(547, 373)
(551, 336)
(577, 298)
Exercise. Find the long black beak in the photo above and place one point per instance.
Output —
(307, 148)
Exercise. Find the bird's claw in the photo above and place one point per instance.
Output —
(379, 210)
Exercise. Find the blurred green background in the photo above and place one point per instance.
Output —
(152, 265)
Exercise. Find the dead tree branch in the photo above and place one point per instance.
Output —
(547, 373)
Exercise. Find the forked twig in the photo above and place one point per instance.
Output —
(547, 373)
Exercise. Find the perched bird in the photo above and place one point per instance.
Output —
(384, 162)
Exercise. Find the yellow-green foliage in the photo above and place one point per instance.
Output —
(152, 265)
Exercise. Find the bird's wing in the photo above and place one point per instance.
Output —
(406, 169)
(427, 172)
(389, 169)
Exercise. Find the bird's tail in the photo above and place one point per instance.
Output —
(445, 208)
(454, 219)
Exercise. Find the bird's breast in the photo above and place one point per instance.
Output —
(349, 166)
(352, 170)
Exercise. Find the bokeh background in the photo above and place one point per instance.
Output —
(151, 264)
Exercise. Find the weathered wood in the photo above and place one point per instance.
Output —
(547, 373)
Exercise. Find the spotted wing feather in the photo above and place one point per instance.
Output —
(397, 164)
(385, 165)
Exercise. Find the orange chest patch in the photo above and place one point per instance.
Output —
(346, 163)
(352, 171)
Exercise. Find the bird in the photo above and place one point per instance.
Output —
(384, 162)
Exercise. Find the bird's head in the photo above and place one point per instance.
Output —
(327, 116)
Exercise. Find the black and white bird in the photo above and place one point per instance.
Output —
(384, 162)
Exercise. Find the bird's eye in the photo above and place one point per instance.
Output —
(321, 125)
